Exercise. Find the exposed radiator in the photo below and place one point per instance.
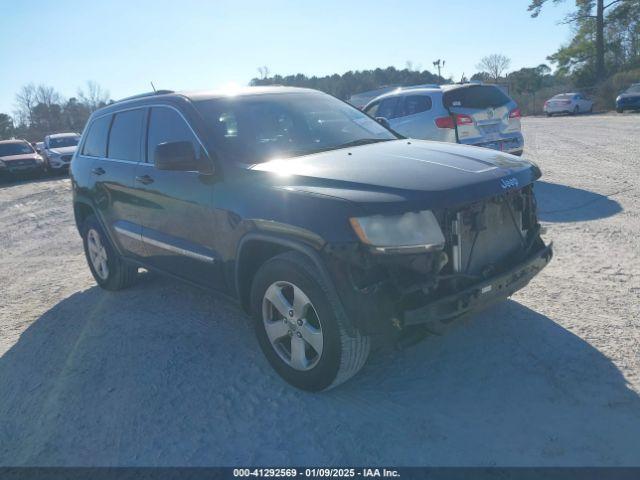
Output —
(486, 234)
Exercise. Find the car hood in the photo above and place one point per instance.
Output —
(431, 174)
(63, 150)
(15, 158)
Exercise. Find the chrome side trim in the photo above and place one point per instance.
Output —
(128, 233)
(178, 250)
(165, 246)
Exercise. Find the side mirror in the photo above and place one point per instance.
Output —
(179, 156)
(384, 122)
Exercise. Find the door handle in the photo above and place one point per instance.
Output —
(98, 171)
(144, 179)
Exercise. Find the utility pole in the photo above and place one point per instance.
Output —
(439, 64)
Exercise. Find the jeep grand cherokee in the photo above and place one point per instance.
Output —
(332, 231)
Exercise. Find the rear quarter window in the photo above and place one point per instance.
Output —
(479, 97)
(96, 143)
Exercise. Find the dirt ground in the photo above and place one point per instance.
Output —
(164, 374)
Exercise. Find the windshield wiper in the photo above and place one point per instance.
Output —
(354, 143)
(362, 141)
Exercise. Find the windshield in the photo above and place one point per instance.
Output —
(60, 142)
(17, 148)
(633, 89)
(257, 128)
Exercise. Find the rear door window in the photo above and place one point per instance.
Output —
(388, 108)
(126, 135)
(166, 125)
(477, 97)
(414, 104)
(96, 143)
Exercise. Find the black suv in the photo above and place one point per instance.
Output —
(334, 232)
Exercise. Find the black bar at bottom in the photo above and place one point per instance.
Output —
(406, 473)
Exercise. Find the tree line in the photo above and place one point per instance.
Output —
(602, 58)
(41, 110)
(345, 85)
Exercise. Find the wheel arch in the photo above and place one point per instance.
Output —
(81, 210)
(255, 248)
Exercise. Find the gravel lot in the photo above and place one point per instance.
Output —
(164, 374)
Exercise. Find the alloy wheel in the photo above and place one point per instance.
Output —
(292, 325)
(97, 254)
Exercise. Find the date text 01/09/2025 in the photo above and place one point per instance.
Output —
(316, 472)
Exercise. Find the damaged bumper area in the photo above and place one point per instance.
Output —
(482, 294)
(493, 249)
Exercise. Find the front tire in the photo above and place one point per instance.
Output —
(299, 327)
(576, 110)
(620, 110)
(109, 270)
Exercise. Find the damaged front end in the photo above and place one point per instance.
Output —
(492, 248)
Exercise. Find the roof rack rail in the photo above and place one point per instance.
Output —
(147, 94)
(424, 85)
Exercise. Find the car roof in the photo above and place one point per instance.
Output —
(198, 95)
(242, 91)
(429, 89)
(14, 140)
(400, 91)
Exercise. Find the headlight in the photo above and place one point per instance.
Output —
(407, 233)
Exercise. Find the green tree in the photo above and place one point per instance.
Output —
(589, 16)
(6, 126)
(528, 80)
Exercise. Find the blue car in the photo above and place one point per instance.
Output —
(629, 99)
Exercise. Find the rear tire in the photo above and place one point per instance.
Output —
(108, 268)
(305, 320)
(576, 110)
(549, 114)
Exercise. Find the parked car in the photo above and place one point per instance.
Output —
(58, 149)
(19, 157)
(629, 99)
(360, 100)
(471, 114)
(332, 231)
(573, 103)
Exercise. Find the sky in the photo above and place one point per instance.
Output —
(200, 44)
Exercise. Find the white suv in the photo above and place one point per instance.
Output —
(472, 114)
(58, 149)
